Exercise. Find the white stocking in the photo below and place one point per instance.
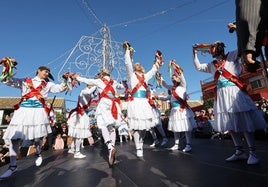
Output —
(77, 144)
(237, 141)
(177, 137)
(152, 131)
(106, 137)
(138, 138)
(113, 137)
(249, 136)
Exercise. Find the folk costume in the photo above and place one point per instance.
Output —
(234, 110)
(181, 119)
(30, 120)
(139, 111)
(123, 129)
(108, 110)
(79, 122)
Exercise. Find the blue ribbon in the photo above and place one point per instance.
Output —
(31, 104)
(175, 104)
(140, 94)
(223, 82)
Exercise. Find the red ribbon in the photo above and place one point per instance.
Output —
(182, 102)
(80, 109)
(105, 95)
(141, 83)
(34, 92)
(226, 74)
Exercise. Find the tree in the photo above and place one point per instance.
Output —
(60, 118)
(208, 103)
(167, 112)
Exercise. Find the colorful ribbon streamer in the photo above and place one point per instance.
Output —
(7, 72)
(176, 68)
(204, 48)
(69, 81)
(160, 61)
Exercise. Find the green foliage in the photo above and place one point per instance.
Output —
(208, 103)
(124, 111)
(60, 117)
(167, 112)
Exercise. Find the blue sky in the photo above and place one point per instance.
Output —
(43, 32)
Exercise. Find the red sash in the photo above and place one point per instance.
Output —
(182, 102)
(33, 92)
(150, 100)
(140, 83)
(80, 109)
(226, 74)
(123, 119)
(104, 94)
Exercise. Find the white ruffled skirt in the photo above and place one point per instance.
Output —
(140, 114)
(28, 124)
(104, 115)
(157, 117)
(79, 126)
(236, 111)
(181, 121)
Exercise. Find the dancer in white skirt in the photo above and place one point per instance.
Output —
(123, 130)
(30, 120)
(108, 110)
(234, 110)
(139, 111)
(78, 121)
(181, 119)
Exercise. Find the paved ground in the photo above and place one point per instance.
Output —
(205, 166)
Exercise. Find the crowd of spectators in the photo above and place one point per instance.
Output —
(59, 139)
(263, 106)
(205, 123)
(4, 152)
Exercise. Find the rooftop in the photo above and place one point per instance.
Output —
(9, 102)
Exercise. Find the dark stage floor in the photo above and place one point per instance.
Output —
(205, 166)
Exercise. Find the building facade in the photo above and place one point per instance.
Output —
(257, 85)
(7, 108)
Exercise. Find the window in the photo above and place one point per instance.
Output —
(256, 82)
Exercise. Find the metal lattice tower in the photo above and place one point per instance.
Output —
(92, 54)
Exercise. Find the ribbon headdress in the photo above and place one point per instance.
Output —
(160, 61)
